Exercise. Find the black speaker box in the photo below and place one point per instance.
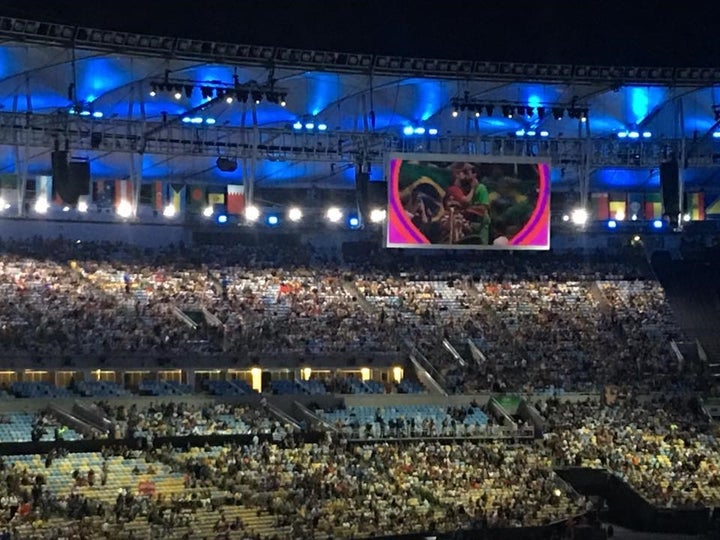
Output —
(670, 187)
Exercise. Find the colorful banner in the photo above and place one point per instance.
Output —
(158, 196)
(653, 206)
(601, 208)
(235, 199)
(696, 206)
(461, 202)
(177, 197)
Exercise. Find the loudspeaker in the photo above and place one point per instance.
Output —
(670, 187)
(70, 180)
(79, 176)
(362, 179)
(59, 164)
(226, 164)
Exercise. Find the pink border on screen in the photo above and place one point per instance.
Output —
(535, 233)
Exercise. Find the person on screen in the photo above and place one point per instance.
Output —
(454, 228)
(474, 202)
(509, 206)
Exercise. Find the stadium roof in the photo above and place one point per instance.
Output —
(90, 89)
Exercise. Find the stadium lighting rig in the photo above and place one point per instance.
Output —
(230, 92)
(465, 103)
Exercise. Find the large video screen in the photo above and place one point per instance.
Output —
(467, 202)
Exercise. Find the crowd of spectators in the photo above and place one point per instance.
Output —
(547, 322)
(663, 447)
(179, 419)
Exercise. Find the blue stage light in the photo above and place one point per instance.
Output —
(657, 224)
(322, 127)
(222, 218)
(273, 220)
(297, 125)
(544, 133)
(612, 224)
(408, 130)
(432, 131)
(419, 131)
(354, 222)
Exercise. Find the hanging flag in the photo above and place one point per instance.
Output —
(8, 182)
(158, 196)
(617, 206)
(236, 199)
(713, 208)
(43, 188)
(635, 206)
(653, 206)
(8, 188)
(696, 206)
(196, 201)
(177, 197)
(600, 206)
(123, 192)
(215, 198)
(102, 193)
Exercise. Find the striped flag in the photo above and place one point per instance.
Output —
(123, 192)
(600, 206)
(617, 206)
(236, 199)
(158, 196)
(43, 188)
(653, 206)
(177, 197)
(696, 206)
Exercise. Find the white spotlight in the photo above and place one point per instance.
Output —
(124, 209)
(378, 215)
(620, 215)
(41, 206)
(252, 213)
(2, 204)
(66, 208)
(82, 206)
(295, 214)
(687, 217)
(208, 211)
(169, 211)
(579, 216)
(334, 214)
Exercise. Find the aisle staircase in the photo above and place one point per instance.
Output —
(691, 289)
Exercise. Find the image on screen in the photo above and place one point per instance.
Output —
(467, 202)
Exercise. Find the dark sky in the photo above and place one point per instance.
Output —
(611, 32)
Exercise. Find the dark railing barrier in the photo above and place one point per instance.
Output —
(628, 508)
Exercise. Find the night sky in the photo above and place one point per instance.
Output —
(610, 32)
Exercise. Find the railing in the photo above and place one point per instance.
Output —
(456, 355)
